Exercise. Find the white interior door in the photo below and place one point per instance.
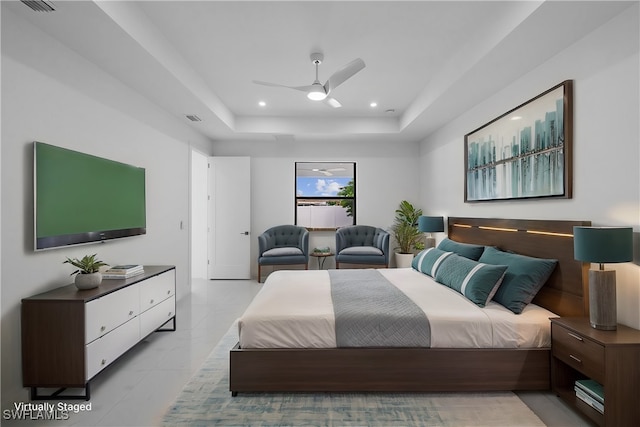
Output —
(229, 218)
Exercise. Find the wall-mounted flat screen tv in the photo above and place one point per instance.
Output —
(80, 198)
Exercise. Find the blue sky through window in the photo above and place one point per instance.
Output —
(320, 187)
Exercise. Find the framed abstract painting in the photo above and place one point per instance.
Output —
(525, 153)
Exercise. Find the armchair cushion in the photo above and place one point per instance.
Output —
(283, 251)
(361, 250)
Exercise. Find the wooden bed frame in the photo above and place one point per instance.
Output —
(434, 369)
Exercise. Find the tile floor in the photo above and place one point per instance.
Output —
(138, 388)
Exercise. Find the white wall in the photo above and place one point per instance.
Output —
(606, 179)
(50, 94)
(385, 175)
(199, 233)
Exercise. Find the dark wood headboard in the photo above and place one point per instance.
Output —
(566, 293)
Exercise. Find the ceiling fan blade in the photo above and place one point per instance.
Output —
(300, 88)
(332, 102)
(343, 74)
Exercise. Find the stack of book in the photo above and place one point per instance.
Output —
(322, 250)
(122, 271)
(590, 392)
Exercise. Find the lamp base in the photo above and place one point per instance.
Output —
(430, 242)
(602, 300)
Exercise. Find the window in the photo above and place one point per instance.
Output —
(325, 194)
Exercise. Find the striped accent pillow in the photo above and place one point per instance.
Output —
(429, 260)
(478, 282)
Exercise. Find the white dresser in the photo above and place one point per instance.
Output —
(69, 336)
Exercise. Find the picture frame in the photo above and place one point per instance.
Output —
(526, 153)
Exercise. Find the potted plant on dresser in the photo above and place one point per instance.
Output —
(88, 274)
(406, 233)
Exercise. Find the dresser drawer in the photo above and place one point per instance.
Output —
(157, 289)
(108, 312)
(104, 350)
(157, 316)
(578, 352)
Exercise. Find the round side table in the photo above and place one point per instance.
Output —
(321, 256)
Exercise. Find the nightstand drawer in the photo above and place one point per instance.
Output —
(578, 352)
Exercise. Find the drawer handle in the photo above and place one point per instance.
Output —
(151, 302)
(102, 328)
(169, 292)
(103, 362)
(169, 315)
(578, 337)
(575, 358)
(131, 313)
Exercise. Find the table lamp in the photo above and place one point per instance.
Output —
(431, 224)
(603, 245)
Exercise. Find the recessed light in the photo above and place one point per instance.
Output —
(516, 117)
(373, 104)
(262, 103)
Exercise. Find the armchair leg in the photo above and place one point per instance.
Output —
(337, 265)
(259, 274)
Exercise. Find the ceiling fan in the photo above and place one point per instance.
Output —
(317, 91)
(324, 171)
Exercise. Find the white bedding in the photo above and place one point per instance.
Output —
(294, 310)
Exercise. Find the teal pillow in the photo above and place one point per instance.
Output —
(477, 281)
(467, 250)
(525, 276)
(428, 261)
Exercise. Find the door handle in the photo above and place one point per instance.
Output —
(246, 233)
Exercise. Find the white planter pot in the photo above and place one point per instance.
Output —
(403, 260)
(88, 281)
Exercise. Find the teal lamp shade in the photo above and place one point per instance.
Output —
(603, 244)
(431, 224)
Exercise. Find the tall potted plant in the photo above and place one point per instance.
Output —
(406, 233)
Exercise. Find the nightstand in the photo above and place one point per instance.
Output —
(611, 358)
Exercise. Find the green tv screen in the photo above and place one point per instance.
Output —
(80, 198)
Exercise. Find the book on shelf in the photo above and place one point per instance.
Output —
(589, 400)
(592, 388)
(120, 276)
(124, 269)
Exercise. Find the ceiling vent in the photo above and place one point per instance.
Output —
(39, 5)
(193, 118)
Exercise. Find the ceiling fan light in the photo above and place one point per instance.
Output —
(317, 94)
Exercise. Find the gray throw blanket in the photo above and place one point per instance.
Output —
(371, 312)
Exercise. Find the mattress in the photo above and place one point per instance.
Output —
(294, 310)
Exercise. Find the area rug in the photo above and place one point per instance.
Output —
(206, 401)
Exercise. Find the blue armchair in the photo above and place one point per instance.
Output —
(283, 245)
(362, 244)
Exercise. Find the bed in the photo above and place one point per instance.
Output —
(298, 365)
